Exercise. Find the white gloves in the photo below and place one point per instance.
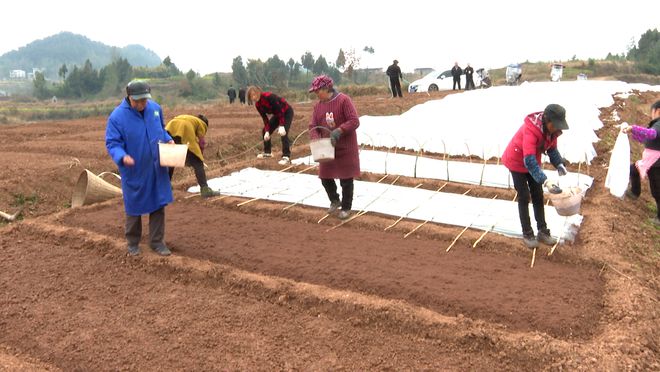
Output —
(281, 131)
(625, 127)
(266, 136)
(552, 187)
(561, 170)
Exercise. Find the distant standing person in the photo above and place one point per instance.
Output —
(132, 134)
(469, 82)
(231, 93)
(191, 130)
(522, 157)
(241, 95)
(281, 113)
(335, 112)
(456, 73)
(394, 73)
(649, 165)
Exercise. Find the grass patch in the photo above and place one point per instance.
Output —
(20, 200)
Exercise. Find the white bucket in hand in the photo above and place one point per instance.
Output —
(568, 202)
(322, 149)
(172, 155)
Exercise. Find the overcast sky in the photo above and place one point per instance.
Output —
(206, 36)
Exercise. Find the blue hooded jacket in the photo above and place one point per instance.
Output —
(145, 185)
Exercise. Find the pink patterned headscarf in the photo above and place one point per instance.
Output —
(321, 81)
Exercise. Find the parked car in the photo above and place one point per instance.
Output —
(437, 80)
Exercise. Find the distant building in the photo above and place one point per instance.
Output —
(32, 74)
(369, 70)
(421, 71)
(17, 74)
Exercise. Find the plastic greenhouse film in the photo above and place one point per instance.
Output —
(619, 170)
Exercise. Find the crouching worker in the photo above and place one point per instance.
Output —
(132, 134)
(281, 117)
(335, 112)
(649, 165)
(191, 130)
(522, 157)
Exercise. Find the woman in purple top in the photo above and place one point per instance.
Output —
(649, 165)
(335, 112)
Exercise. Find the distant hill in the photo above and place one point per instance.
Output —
(71, 49)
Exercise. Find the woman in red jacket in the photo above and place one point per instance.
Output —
(522, 157)
(281, 113)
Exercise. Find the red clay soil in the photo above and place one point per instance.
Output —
(256, 288)
(72, 307)
(563, 300)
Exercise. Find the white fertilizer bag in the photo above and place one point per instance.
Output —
(619, 170)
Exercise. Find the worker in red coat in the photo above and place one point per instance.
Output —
(281, 117)
(335, 112)
(522, 157)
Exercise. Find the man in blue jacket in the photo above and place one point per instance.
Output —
(132, 134)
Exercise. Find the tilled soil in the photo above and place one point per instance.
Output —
(561, 299)
(254, 288)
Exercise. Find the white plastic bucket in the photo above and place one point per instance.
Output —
(568, 202)
(322, 149)
(172, 155)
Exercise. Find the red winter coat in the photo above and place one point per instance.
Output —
(528, 140)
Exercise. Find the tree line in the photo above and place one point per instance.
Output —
(110, 80)
(274, 73)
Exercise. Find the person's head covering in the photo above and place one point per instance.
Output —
(138, 89)
(320, 82)
(203, 118)
(395, 61)
(557, 115)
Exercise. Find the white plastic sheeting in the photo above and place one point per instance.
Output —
(491, 175)
(500, 216)
(482, 122)
(618, 172)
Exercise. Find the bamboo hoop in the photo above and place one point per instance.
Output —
(467, 227)
(400, 218)
(11, 217)
(424, 223)
(444, 158)
(220, 197)
(277, 192)
(552, 250)
(468, 152)
(299, 201)
(363, 211)
(492, 227)
(223, 159)
(328, 214)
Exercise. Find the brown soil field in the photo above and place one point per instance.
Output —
(265, 287)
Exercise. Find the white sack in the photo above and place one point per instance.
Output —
(619, 171)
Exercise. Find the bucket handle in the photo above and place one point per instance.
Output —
(322, 127)
(114, 174)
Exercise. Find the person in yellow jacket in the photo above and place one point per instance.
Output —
(191, 130)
